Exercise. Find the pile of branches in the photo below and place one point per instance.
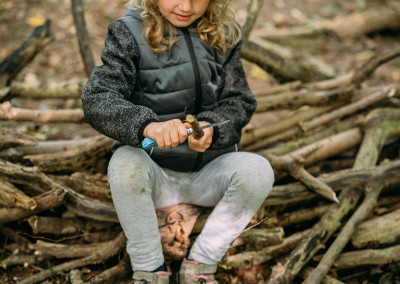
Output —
(332, 216)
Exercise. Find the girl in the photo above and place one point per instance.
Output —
(163, 60)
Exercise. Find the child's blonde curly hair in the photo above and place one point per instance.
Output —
(217, 26)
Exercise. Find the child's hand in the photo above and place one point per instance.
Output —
(204, 142)
(167, 134)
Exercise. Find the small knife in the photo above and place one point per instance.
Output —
(150, 143)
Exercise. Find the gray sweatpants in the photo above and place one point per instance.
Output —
(236, 184)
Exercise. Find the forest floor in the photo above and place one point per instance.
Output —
(61, 60)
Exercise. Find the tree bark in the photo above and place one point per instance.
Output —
(81, 158)
(377, 257)
(10, 196)
(247, 259)
(48, 200)
(380, 230)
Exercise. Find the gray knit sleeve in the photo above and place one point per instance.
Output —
(235, 103)
(105, 97)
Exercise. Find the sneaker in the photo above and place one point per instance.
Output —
(195, 272)
(144, 277)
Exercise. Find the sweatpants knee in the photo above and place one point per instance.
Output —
(128, 169)
(256, 172)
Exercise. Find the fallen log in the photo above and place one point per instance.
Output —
(46, 249)
(65, 226)
(81, 158)
(282, 69)
(43, 147)
(10, 196)
(368, 257)
(353, 25)
(295, 217)
(8, 112)
(64, 90)
(92, 185)
(256, 239)
(380, 230)
(302, 114)
(45, 201)
(248, 259)
(293, 144)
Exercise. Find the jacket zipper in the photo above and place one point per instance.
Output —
(197, 99)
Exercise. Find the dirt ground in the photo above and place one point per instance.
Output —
(61, 60)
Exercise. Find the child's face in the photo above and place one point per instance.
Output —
(181, 13)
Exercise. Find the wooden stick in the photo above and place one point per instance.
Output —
(380, 230)
(109, 275)
(281, 68)
(260, 238)
(292, 120)
(293, 162)
(197, 131)
(295, 144)
(376, 257)
(247, 259)
(63, 90)
(10, 196)
(13, 64)
(295, 217)
(47, 249)
(45, 201)
(65, 226)
(108, 250)
(8, 112)
(83, 36)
